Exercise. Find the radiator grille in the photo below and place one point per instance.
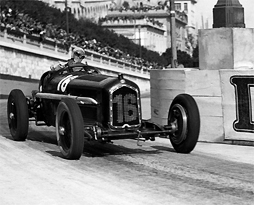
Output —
(125, 109)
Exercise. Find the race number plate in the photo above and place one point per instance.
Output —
(125, 109)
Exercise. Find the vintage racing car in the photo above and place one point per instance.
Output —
(83, 105)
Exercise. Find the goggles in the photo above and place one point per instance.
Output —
(80, 56)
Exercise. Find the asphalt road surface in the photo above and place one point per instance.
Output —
(33, 172)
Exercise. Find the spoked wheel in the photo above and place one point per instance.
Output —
(70, 129)
(17, 114)
(184, 117)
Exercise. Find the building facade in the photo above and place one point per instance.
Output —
(188, 7)
(91, 9)
(144, 31)
(149, 28)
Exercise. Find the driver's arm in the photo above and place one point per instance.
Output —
(57, 67)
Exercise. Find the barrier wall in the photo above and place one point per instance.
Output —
(10, 82)
(223, 86)
(27, 57)
(224, 97)
(226, 48)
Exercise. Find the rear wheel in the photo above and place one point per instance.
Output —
(17, 114)
(70, 129)
(184, 117)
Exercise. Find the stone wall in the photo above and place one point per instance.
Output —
(23, 64)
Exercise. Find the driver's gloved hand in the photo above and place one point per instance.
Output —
(52, 67)
(56, 68)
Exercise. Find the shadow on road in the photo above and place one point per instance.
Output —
(45, 136)
(92, 148)
(97, 149)
(162, 148)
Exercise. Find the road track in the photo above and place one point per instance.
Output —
(33, 172)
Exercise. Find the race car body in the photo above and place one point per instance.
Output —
(85, 105)
(96, 93)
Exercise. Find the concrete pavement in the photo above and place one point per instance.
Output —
(234, 153)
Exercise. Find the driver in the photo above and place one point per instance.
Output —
(78, 55)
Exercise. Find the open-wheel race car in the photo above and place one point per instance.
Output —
(84, 105)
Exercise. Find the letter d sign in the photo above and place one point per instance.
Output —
(244, 119)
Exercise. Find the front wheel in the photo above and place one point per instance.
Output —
(184, 117)
(70, 129)
(17, 114)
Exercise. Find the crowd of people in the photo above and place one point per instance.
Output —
(131, 19)
(145, 8)
(141, 8)
(13, 19)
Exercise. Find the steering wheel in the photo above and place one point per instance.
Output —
(69, 68)
(75, 65)
(83, 67)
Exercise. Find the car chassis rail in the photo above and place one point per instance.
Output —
(145, 132)
(82, 100)
(138, 132)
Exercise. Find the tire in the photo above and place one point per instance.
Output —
(17, 115)
(184, 116)
(70, 129)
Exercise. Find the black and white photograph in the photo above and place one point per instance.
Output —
(126, 102)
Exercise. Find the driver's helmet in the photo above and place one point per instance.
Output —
(79, 52)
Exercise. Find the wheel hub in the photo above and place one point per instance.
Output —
(12, 116)
(178, 119)
(61, 130)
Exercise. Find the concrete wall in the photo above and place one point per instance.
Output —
(224, 98)
(223, 86)
(204, 86)
(8, 83)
